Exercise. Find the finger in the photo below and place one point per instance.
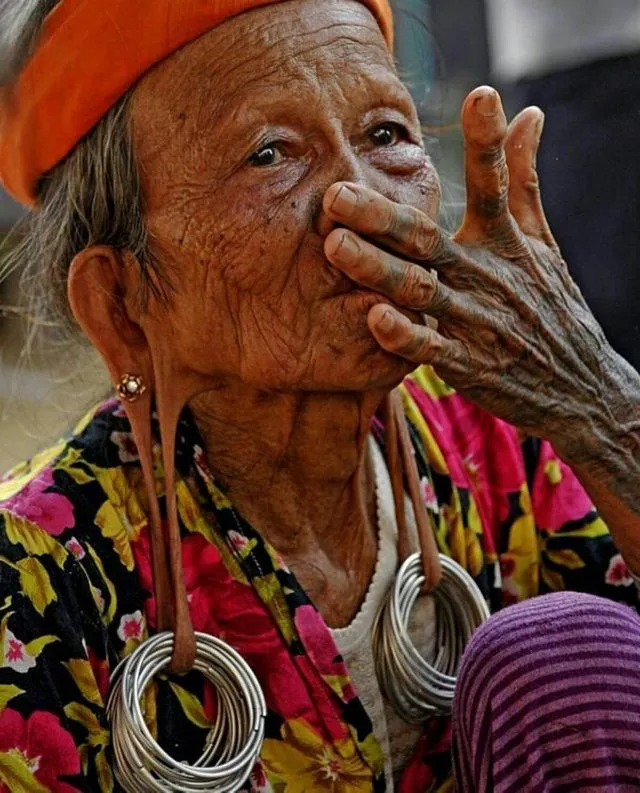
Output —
(430, 322)
(521, 148)
(401, 228)
(398, 335)
(484, 127)
(420, 344)
(407, 284)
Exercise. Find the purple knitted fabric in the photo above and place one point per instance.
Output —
(548, 699)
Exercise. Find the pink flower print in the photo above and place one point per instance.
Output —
(74, 548)
(15, 650)
(237, 541)
(45, 747)
(618, 573)
(118, 411)
(258, 782)
(53, 512)
(429, 495)
(131, 626)
(16, 656)
(127, 449)
(198, 455)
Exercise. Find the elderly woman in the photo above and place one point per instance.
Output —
(236, 199)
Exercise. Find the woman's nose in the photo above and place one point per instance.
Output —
(344, 166)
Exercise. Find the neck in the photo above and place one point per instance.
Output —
(295, 466)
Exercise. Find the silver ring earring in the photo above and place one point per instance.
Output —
(416, 688)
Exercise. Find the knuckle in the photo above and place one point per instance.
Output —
(423, 239)
(417, 287)
(388, 217)
(416, 343)
(423, 347)
(532, 186)
(491, 205)
(494, 188)
(440, 299)
(492, 157)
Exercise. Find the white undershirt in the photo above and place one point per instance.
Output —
(397, 738)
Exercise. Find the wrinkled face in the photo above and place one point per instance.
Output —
(239, 135)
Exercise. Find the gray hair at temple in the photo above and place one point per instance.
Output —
(93, 197)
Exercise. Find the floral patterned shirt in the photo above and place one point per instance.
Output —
(75, 596)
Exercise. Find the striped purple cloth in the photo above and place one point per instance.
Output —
(548, 699)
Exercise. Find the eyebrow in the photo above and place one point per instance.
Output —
(257, 114)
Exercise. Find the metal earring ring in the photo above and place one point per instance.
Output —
(415, 688)
(234, 741)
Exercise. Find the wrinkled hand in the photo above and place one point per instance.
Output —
(513, 330)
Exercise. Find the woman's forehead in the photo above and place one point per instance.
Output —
(299, 40)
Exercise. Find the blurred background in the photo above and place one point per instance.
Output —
(579, 60)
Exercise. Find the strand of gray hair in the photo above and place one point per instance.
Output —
(20, 25)
(93, 197)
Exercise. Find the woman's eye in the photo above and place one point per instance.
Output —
(269, 154)
(386, 134)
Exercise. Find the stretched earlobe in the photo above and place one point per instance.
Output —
(402, 468)
(139, 415)
(97, 301)
(172, 395)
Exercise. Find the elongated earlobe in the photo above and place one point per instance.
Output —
(170, 401)
(97, 301)
(402, 468)
(139, 415)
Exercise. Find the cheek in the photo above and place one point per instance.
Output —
(433, 194)
(234, 273)
(422, 191)
(234, 246)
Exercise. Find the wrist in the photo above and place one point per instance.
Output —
(602, 428)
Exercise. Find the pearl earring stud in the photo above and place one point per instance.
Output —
(131, 387)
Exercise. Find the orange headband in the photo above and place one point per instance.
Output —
(90, 53)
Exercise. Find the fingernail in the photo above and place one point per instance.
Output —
(347, 247)
(345, 202)
(487, 104)
(386, 322)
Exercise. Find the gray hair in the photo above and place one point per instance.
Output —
(93, 197)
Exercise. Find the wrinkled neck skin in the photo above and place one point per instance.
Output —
(296, 466)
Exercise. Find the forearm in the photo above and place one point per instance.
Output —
(604, 452)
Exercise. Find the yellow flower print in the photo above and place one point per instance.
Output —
(302, 762)
(435, 458)
(520, 563)
(553, 472)
(430, 383)
(190, 514)
(121, 517)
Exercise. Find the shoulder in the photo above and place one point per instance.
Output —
(64, 520)
(48, 490)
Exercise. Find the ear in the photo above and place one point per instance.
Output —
(97, 292)
(101, 285)
(99, 279)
